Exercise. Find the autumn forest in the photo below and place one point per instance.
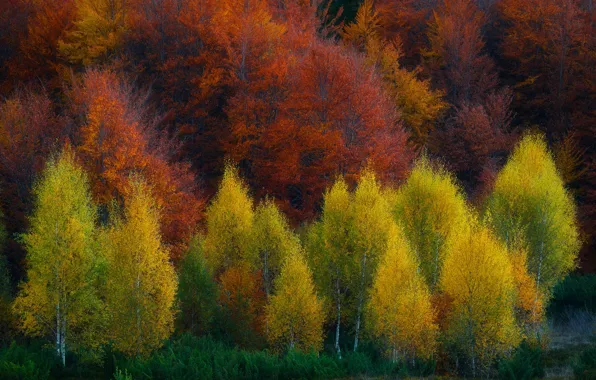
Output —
(281, 189)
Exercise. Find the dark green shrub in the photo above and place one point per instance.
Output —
(298, 365)
(418, 368)
(526, 363)
(20, 362)
(357, 363)
(585, 365)
(576, 291)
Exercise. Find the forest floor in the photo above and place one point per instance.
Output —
(569, 336)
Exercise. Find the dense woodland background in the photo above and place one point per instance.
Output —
(243, 145)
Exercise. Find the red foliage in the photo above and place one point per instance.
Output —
(549, 44)
(456, 59)
(29, 132)
(38, 58)
(117, 139)
(172, 44)
(334, 119)
(476, 138)
(408, 21)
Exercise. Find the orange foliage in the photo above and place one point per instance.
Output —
(243, 296)
(406, 20)
(333, 118)
(529, 303)
(456, 58)
(39, 57)
(117, 140)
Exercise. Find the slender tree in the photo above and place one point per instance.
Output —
(59, 297)
(329, 253)
(400, 309)
(274, 241)
(431, 208)
(141, 283)
(197, 290)
(478, 278)
(230, 223)
(295, 314)
(530, 203)
(372, 221)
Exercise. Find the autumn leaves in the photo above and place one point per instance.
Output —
(416, 269)
(88, 285)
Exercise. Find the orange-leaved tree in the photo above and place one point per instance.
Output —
(116, 138)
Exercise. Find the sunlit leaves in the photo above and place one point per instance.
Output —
(478, 277)
(401, 314)
(230, 222)
(431, 207)
(60, 297)
(530, 202)
(141, 282)
(295, 314)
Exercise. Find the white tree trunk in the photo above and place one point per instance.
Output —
(338, 317)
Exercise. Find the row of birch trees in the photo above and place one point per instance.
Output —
(414, 268)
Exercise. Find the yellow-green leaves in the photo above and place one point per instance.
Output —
(141, 284)
(530, 203)
(350, 238)
(400, 310)
(295, 315)
(372, 221)
(97, 32)
(60, 298)
(274, 240)
(230, 223)
(431, 208)
(478, 278)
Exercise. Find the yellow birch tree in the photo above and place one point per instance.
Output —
(478, 278)
(431, 207)
(400, 309)
(295, 314)
(530, 203)
(141, 282)
(230, 224)
(59, 297)
(274, 240)
(372, 221)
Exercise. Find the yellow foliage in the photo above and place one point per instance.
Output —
(274, 240)
(365, 27)
(60, 297)
(431, 208)
(97, 32)
(420, 106)
(141, 284)
(529, 203)
(479, 279)
(529, 301)
(400, 307)
(295, 315)
(230, 223)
